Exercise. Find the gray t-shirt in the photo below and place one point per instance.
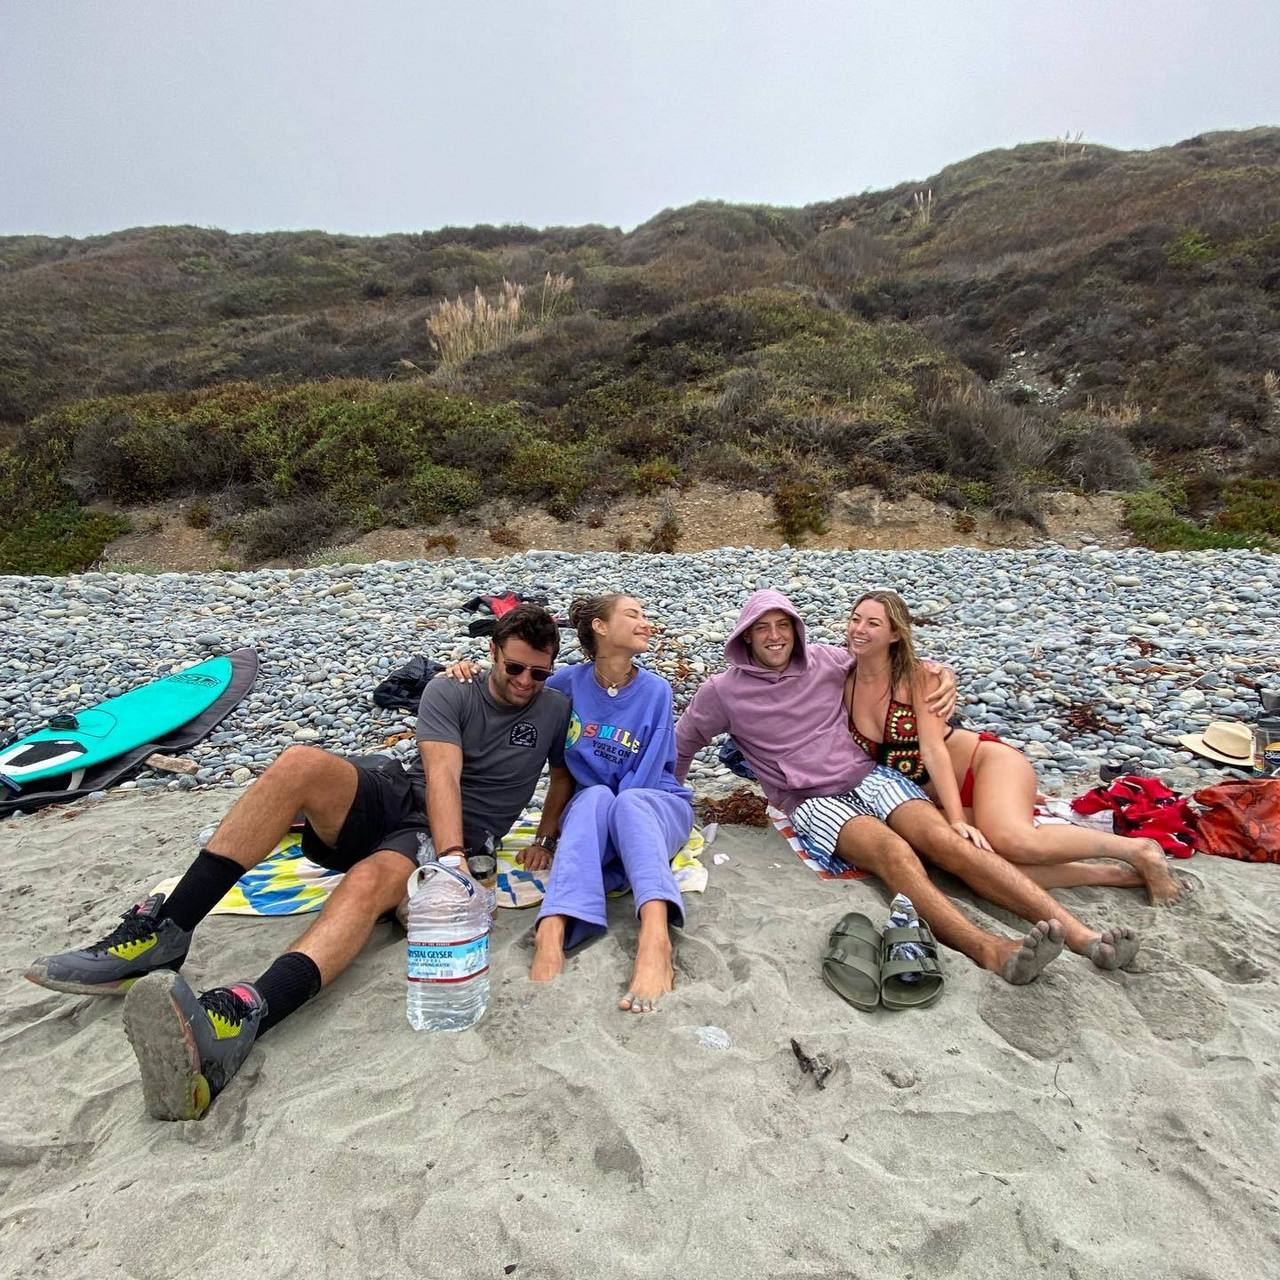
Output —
(503, 748)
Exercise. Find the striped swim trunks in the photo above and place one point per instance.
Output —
(821, 819)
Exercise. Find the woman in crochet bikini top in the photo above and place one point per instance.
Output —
(986, 788)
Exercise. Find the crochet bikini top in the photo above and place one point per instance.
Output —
(900, 748)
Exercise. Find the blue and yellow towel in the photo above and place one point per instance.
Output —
(288, 884)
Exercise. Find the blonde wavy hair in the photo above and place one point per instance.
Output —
(904, 663)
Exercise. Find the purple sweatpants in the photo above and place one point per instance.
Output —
(608, 842)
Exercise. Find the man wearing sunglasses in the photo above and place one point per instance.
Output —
(482, 747)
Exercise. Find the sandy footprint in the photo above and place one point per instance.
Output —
(1175, 1004)
(698, 961)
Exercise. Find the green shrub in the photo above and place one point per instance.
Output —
(1253, 508)
(199, 514)
(438, 491)
(649, 477)
(1151, 516)
(976, 493)
(558, 473)
(801, 503)
(286, 531)
(1191, 248)
(64, 540)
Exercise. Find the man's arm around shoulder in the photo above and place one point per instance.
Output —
(703, 719)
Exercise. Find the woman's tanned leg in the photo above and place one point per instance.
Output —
(1003, 804)
(869, 844)
(992, 877)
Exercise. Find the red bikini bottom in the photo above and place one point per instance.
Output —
(966, 787)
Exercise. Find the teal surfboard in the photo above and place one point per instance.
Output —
(77, 741)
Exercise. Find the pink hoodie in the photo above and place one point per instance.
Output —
(790, 724)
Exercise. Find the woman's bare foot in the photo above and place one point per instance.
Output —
(653, 975)
(1164, 888)
(1028, 958)
(548, 950)
(1112, 948)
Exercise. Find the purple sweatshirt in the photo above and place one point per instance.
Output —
(620, 742)
(790, 724)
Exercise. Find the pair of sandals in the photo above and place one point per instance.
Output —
(858, 965)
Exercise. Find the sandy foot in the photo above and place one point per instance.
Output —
(1040, 946)
(653, 975)
(1164, 888)
(548, 950)
(1113, 948)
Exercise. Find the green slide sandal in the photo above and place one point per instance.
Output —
(851, 963)
(896, 993)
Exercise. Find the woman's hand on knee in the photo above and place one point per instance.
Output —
(535, 858)
(972, 834)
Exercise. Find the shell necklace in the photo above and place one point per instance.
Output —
(611, 687)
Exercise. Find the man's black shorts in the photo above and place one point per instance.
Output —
(387, 813)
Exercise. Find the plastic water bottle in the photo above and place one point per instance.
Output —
(448, 967)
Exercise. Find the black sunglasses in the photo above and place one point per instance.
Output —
(519, 668)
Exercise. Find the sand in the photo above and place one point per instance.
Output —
(1091, 1125)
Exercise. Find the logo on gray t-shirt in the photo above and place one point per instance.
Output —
(524, 734)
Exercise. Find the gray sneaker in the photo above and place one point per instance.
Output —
(109, 967)
(189, 1047)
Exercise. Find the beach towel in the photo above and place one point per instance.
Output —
(288, 884)
(826, 866)
(519, 888)
(1054, 811)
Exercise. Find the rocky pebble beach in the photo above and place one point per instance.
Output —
(1080, 657)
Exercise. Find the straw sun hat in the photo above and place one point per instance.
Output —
(1227, 741)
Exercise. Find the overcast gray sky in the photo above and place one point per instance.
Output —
(399, 115)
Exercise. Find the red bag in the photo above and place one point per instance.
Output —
(1241, 820)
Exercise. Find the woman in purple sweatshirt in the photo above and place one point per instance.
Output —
(629, 816)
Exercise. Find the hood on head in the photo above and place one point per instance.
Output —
(736, 651)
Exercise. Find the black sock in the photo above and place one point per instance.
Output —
(206, 882)
(290, 982)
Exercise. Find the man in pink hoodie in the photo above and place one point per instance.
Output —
(781, 699)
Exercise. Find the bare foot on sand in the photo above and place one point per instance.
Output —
(1112, 948)
(1164, 888)
(548, 950)
(1041, 945)
(653, 975)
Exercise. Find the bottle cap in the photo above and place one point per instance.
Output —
(453, 860)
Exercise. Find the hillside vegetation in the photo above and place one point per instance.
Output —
(1044, 315)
